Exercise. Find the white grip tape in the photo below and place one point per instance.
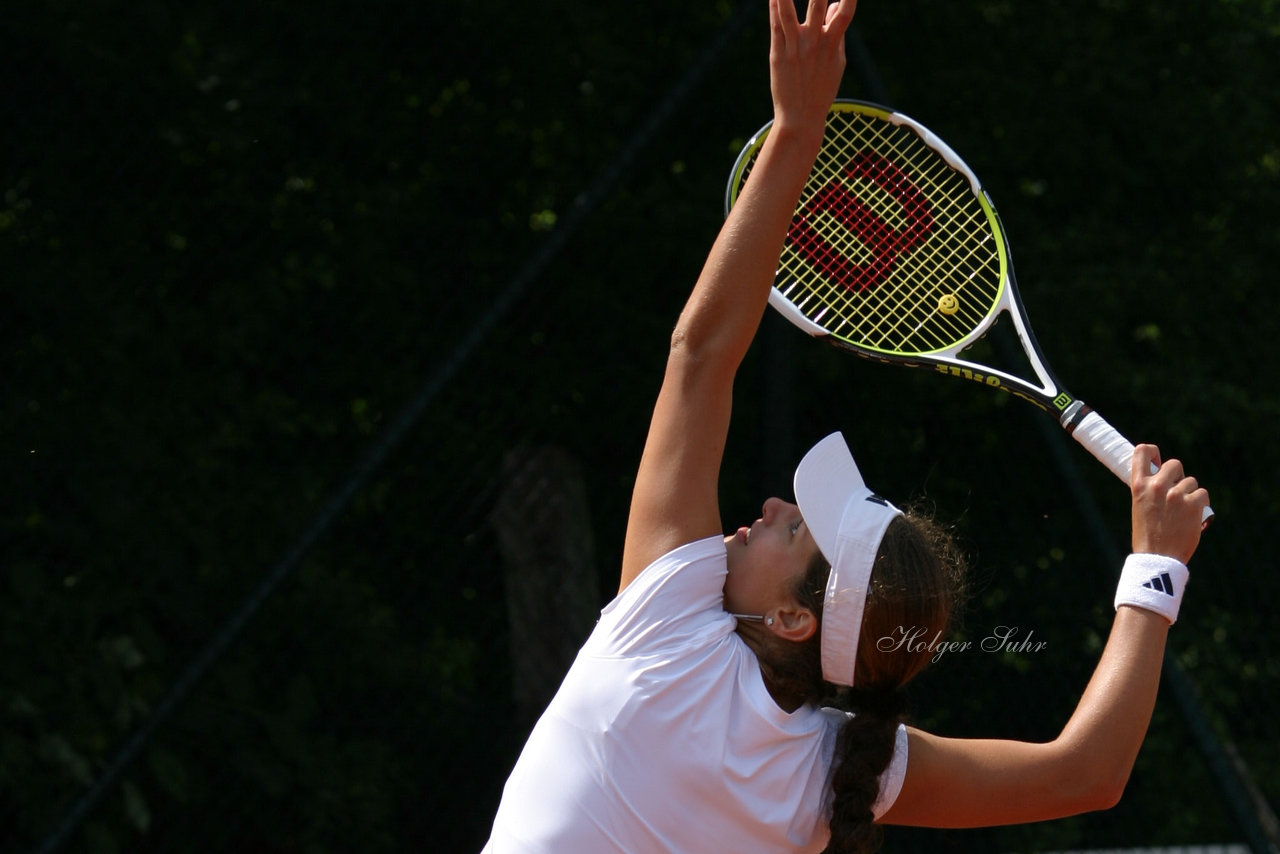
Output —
(1105, 443)
(1115, 451)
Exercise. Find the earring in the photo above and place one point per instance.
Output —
(769, 621)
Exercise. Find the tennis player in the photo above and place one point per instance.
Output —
(692, 719)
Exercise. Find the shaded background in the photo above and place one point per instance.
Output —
(332, 332)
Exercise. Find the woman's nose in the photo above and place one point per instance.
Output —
(772, 507)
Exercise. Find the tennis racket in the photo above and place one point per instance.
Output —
(896, 253)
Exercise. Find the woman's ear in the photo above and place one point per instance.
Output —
(794, 623)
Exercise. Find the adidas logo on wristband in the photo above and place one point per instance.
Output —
(1161, 582)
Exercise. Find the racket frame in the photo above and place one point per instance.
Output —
(1078, 419)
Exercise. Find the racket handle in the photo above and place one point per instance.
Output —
(1113, 449)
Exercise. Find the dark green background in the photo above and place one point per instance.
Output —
(238, 240)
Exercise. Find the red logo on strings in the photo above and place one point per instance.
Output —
(885, 243)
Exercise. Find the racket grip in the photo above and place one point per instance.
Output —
(1114, 450)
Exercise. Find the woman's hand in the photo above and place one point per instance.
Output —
(806, 60)
(1167, 506)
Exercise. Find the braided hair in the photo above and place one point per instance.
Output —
(916, 584)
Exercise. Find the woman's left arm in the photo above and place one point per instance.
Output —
(958, 782)
(952, 782)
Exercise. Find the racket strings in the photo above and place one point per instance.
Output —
(885, 231)
(910, 289)
(949, 259)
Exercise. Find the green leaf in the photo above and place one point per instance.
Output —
(135, 807)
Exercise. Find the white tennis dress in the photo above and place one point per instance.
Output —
(663, 737)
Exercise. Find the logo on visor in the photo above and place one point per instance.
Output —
(876, 499)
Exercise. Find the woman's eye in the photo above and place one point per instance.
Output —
(795, 528)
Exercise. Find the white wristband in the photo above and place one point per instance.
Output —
(1154, 583)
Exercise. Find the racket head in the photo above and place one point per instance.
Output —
(895, 251)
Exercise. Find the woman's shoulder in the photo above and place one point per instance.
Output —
(708, 553)
(676, 601)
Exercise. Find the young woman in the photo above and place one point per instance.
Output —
(691, 720)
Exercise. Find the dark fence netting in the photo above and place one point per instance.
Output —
(332, 334)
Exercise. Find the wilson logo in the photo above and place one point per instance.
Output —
(885, 243)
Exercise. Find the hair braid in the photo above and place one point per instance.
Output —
(864, 749)
(918, 581)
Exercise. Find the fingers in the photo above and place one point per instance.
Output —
(1190, 491)
(1165, 522)
(840, 15)
(782, 22)
(806, 61)
(1147, 469)
(787, 15)
(817, 11)
(1200, 498)
(827, 18)
(1171, 471)
(1168, 505)
(1146, 458)
(1172, 483)
(833, 17)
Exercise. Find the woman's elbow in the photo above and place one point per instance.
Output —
(1094, 784)
(694, 353)
(1111, 787)
(1105, 794)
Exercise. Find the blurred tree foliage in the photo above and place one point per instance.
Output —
(236, 241)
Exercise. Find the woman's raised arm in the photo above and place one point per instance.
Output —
(674, 500)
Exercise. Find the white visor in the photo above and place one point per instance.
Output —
(848, 521)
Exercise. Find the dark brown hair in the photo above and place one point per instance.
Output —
(917, 584)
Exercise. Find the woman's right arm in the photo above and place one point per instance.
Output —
(675, 498)
(954, 782)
